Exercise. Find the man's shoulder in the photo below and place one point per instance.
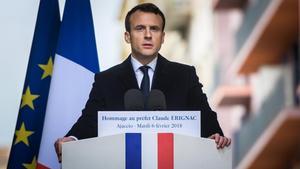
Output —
(176, 66)
(109, 72)
(179, 65)
(116, 69)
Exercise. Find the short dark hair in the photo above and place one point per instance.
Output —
(144, 7)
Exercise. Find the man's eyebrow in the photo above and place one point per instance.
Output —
(151, 26)
(140, 26)
(155, 26)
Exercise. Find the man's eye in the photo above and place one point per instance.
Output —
(155, 28)
(139, 28)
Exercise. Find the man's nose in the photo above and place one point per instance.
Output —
(148, 34)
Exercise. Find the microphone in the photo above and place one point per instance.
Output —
(134, 100)
(156, 100)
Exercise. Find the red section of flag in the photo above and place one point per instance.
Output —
(40, 166)
(165, 151)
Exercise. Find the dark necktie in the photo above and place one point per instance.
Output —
(145, 85)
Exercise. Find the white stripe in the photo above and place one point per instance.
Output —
(196, 152)
(95, 153)
(69, 90)
(149, 151)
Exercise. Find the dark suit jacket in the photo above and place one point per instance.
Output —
(178, 82)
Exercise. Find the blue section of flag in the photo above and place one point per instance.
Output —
(77, 38)
(133, 151)
(43, 47)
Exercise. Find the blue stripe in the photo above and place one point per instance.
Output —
(77, 38)
(133, 151)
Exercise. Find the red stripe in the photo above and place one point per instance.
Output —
(41, 166)
(165, 151)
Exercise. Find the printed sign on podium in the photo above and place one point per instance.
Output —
(179, 122)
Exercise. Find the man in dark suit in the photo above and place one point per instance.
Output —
(145, 33)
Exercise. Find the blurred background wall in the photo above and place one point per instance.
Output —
(246, 54)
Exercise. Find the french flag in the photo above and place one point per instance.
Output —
(75, 64)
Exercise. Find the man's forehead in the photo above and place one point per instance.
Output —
(140, 17)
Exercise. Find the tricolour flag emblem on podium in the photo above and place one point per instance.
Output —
(140, 148)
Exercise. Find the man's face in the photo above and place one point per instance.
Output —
(146, 34)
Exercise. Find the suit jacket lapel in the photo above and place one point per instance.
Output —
(161, 78)
(127, 75)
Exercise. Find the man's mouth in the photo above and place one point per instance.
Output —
(147, 45)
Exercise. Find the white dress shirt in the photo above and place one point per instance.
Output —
(139, 74)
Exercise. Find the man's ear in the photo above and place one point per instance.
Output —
(127, 37)
(163, 38)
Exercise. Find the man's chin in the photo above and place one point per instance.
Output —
(146, 54)
(151, 55)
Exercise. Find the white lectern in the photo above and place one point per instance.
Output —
(145, 151)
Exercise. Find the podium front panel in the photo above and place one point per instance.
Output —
(145, 151)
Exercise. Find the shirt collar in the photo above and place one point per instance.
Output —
(136, 64)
